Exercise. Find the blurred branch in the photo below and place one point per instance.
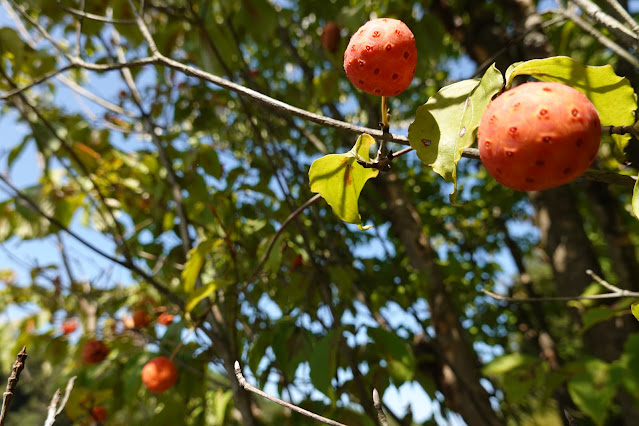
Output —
(377, 402)
(247, 386)
(593, 11)
(54, 409)
(597, 35)
(7, 396)
(615, 292)
(125, 263)
(94, 17)
(623, 14)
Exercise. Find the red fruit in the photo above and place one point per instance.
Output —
(165, 319)
(94, 351)
(330, 36)
(539, 135)
(98, 413)
(381, 57)
(297, 262)
(141, 318)
(69, 326)
(159, 374)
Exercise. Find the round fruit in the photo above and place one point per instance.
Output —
(165, 319)
(381, 57)
(141, 318)
(330, 36)
(99, 413)
(159, 374)
(69, 326)
(94, 351)
(538, 136)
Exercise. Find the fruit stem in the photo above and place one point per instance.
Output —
(385, 124)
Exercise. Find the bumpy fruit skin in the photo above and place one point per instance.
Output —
(381, 57)
(538, 136)
(94, 351)
(330, 36)
(99, 413)
(159, 374)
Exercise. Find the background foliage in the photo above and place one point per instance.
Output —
(174, 190)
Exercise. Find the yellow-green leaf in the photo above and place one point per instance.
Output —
(193, 265)
(339, 179)
(201, 293)
(635, 310)
(611, 94)
(445, 125)
(635, 199)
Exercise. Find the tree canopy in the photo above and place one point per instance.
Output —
(199, 180)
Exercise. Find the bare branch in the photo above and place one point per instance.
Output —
(7, 396)
(52, 410)
(605, 41)
(246, 385)
(615, 292)
(315, 198)
(37, 81)
(623, 14)
(377, 402)
(592, 10)
(67, 393)
(94, 17)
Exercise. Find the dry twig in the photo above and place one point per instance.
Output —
(7, 396)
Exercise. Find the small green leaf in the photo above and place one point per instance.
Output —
(194, 263)
(635, 310)
(445, 125)
(612, 95)
(635, 199)
(201, 293)
(600, 313)
(592, 390)
(339, 179)
(506, 363)
(323, 362)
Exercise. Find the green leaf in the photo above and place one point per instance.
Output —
(194, 263)
(635, 199)
(323, 362)
(506, 363)
(601, 313)
(612, 95)
(398, 355)
(445, 125)
(635, 310)
(339, 179)
(205, 291)
(592, 390)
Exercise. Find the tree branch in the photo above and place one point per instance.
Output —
(377, 402)
(592, 10)
(615, 292)
(7, 396)
(247, 386)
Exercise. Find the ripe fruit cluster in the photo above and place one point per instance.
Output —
(159, 374)
(381, 57)
(538, 136)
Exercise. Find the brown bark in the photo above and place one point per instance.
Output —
(457, 373)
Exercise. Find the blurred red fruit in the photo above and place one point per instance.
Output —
(159, 374)
(330, 36)
(99, 413)
(165, 319)
(94, 351)
(69, 326)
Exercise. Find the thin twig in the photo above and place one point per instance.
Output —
(615, 292)
(315, 198)
(605, 41)
(377, 402)
(623, 14)
(67, 393)
(7, 396)
(94, 17)
(125, 263)
(246, 385)
(624, 34)
(53, 407)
